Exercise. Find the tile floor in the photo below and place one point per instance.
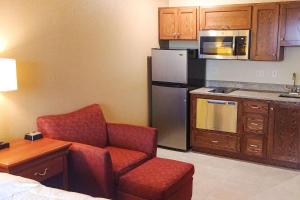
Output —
(218, 178)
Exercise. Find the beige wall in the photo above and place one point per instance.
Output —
(245, 70)
(72, 53)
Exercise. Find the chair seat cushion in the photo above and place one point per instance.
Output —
(124, 160)
(157, 179)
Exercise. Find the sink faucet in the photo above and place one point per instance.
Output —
(294, 89)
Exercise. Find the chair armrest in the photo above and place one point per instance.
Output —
(137, 138)
(91, 170)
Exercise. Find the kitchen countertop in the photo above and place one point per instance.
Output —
(250, 94)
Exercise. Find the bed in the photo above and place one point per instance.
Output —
(18, 188)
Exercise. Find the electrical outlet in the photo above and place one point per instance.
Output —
(260, 73)
(275, 74)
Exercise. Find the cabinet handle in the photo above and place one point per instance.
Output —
(254, 124)
(253, 145)
(215, 141)
(175, 35)
(273, 54)
(281, 39)
(41, 174)
(255, 107)
(271, 108)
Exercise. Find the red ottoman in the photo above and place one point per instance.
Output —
(158, 179)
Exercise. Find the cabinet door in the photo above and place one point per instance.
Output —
(168, 27)
(284, 137)
(265, 32)
(290, 24)
(226, 17)
(187, 23)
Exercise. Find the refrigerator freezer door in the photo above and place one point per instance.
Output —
(169, 66)
(169, 116)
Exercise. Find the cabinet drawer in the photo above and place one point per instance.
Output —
(216, 141)
(256, 107)
(255, 124)
(254, 146)
(43, 170)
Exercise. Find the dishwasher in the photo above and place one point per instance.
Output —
(217, 115)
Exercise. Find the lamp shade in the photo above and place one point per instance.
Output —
(8, 75)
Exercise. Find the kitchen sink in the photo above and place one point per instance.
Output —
(224, 90)
(290, 95)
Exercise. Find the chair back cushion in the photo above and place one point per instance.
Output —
(86, 126)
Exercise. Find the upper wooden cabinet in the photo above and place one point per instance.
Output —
(168, 23)
(290, 24)
(265, 27)
(178, 23)
(225, 17)
(284, 136)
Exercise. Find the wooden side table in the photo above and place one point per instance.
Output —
(38, 160)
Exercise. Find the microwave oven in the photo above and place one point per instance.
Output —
(224, 44)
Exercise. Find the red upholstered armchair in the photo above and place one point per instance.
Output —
(101, 151)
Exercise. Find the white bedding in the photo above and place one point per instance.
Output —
(18, 188)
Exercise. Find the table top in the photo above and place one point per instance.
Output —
(21, 151)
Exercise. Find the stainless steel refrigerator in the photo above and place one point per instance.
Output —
(174, 73)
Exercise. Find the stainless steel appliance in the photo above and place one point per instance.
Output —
(224, 44)
(174, 73)
(217, 115)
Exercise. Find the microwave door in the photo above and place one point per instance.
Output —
(217, 47)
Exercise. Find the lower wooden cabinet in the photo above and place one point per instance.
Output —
(284, 136)
(216, 141)
(268, 132)
(254, 123)
(254, 146)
